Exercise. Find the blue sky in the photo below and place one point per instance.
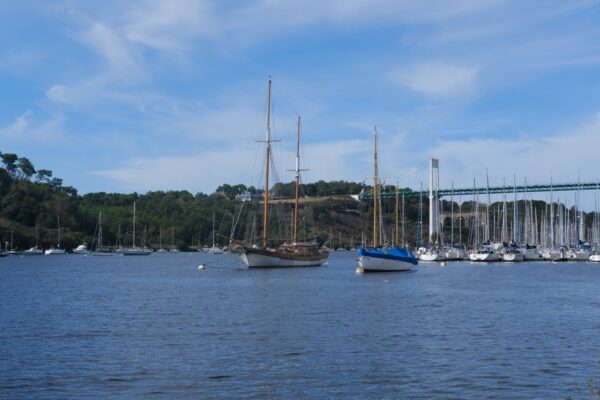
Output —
(147, 95)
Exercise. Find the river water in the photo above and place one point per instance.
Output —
(158, 327)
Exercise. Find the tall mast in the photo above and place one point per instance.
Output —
(375, 242)
(213, 230)
(452, 214)
(516, 229)
(58, 230)
(100, 229)
(297, 182)
(396, 232)
(268, 156)
(134, 224)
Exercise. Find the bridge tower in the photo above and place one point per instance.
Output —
(434, 212)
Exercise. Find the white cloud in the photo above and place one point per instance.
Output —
(23, 121)
(206, 171)
(169, 25)
(564, 155)
(25, 129)
(436, 79)
(111, 45)
(57, 93)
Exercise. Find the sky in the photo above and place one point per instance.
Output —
(171, 95)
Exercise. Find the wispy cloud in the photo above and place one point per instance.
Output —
(437, 79)
(564, 154)
(26, 128)
(169, 26)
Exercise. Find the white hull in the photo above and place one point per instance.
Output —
(580, 255)
(455, 254)
(382, 264)
(485, 257)
(51, 252)
(215, 250)
(512, 257)
(551, 254)
(253, 260)
(102, 253)
(595, 257)
(532, 256)
(431, 257)
(81, 249)
(33, 252)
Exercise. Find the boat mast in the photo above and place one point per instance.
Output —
(58, 230)
(396, 232)
(375, 242)
(133, 224)
(268, 156)
(297, 170)
(100, 230)
(213, 230)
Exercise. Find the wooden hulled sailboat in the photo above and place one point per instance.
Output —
(383, 258)
(288, 255)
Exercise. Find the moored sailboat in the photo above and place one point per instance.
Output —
(101, 250)
(134, 250)
(35, 250)
(383, 258)
(56, 250)
(295, 254)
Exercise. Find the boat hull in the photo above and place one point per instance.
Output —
(580, 255)
(431, 257)
(486, 257)
(51, 252)
(371, 264)
(533, 256)
(260, 258)
(102, 253)
(137, 253)
(512, 257)
(393, 259)
(595, 257)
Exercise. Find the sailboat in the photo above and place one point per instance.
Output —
(101, 250)
(134, 250)
(296, 254)
(13, 251)
(383, 258)
(160, 249)
(173, 249)
(57, 249)
(214, 249)
(34, 251)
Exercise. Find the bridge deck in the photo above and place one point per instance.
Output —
(556, 187)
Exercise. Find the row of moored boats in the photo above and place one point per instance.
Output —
(510, 253)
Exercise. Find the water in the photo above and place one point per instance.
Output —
(157, 327)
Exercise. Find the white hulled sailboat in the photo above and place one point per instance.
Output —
(134, 250)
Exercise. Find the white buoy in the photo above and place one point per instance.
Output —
(359, 270)
(201, 266)
(443, 264)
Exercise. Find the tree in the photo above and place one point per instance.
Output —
(9, 160)
(43, 175)
(26, 167)
(55, 183)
